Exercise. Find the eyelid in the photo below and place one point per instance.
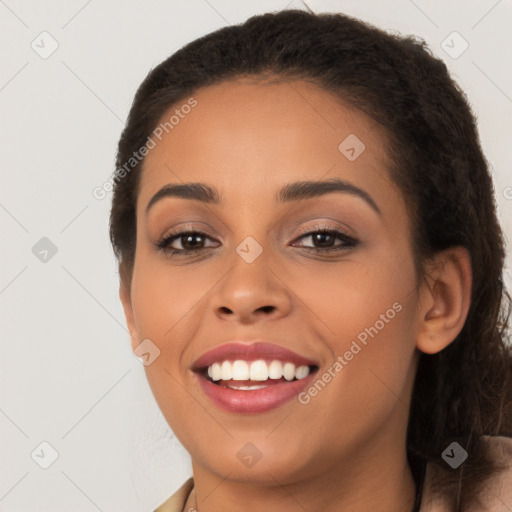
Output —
(190, 227)
(324, 226)
(348, 242)
(177, 233)
(197, 227)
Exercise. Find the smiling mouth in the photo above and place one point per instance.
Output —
(256, 377)
(253, 375)
(253, 388)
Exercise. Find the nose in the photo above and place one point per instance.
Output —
(252, 292)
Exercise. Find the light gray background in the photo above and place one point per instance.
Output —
(67, 373)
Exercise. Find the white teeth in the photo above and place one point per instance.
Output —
(275, 370)
(247, 388)
(225, 371)
(289, 371)
(216, 371)
(301, 372)
(257, 370)
(240, 370)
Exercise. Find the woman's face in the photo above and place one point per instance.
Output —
(345, 303)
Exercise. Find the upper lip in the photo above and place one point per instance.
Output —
(250, 351)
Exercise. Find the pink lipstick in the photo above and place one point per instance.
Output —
(252, 377)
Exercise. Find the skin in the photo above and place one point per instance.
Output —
(345, 449)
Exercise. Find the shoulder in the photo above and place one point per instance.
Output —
(501, 448)
(496, 495)
(177, 501)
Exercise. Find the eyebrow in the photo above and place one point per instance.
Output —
(290, 192)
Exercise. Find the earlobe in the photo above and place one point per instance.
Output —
(124, 295)
(445, 298)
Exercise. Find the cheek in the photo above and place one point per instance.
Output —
(348, 298)
(367, 312)
(164, 299)
(164, 296)
(166, 302)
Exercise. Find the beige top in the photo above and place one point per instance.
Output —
(497, 496)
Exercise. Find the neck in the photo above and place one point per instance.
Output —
(368, 484)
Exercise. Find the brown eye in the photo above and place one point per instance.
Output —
(324, 240)
(184, 242)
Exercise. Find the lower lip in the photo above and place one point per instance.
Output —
(253, 401)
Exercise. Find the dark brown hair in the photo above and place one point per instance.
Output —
(463, 392)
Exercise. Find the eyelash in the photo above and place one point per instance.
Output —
(348, 241)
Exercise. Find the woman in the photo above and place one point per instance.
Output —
(311, 262)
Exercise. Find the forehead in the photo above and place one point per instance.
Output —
(248, 135)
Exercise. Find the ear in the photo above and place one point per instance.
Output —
(125, 296)
(445, 297)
